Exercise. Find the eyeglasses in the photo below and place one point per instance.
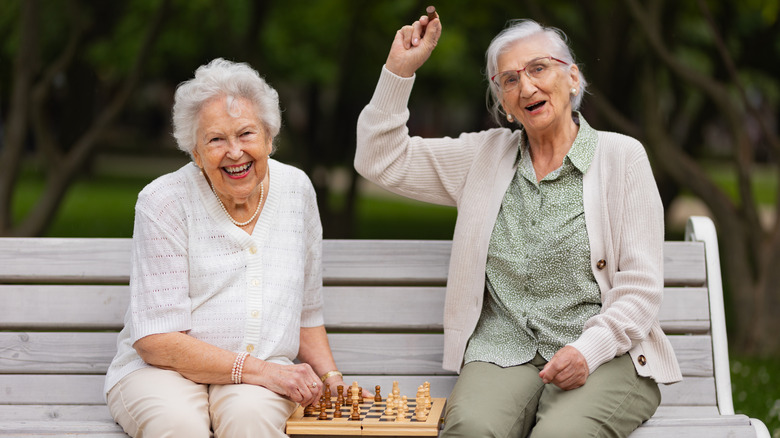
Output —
(536, 70)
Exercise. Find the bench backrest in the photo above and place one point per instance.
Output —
(62, 301)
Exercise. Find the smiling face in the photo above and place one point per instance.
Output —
(539, 105)
(232, 150)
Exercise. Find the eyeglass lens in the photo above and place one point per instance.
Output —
(536, 70)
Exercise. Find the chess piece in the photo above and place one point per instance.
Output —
(337, 411)
(377, 395)
(340, 395)
(355, 412)
(309, 410)
(326, 396)
(323, 413)
(360, 394)
(389, 405)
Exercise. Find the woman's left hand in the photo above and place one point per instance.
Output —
(567, 369)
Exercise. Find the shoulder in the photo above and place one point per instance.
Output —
(167, 191)
(494, 140)
(617, 145)
(290, 177)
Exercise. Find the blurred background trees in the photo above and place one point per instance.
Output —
(87, 85)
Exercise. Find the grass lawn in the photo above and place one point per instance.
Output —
(103, 207)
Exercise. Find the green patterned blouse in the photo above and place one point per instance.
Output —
(540, 289)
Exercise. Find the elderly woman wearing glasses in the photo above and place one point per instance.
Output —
(555, 276)
(225, 290)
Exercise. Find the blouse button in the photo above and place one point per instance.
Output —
(601, 264)
(642, 360)
(253, 250)
(250, 348)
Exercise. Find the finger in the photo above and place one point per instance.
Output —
(432, 31)
(549, 371)
(417, 33)
(404, 35)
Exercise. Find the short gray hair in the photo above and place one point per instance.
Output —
(516, 31)
(223, 78)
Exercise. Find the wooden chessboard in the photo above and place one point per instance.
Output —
(373, 421)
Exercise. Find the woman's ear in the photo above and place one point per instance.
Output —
(574, 74)
(196, 158)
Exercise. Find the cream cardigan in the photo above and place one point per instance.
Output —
(623, 215)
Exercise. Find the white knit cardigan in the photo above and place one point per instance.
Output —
(623, 215)
(194, 271)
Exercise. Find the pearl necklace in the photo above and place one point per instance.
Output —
(235, 222)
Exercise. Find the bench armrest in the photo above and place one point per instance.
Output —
(702, 229)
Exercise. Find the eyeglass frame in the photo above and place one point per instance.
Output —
(524, 69)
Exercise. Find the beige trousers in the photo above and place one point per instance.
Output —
(152, 402)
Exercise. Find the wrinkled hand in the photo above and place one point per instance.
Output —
(412, 46)
(567, 369)
(294, 382)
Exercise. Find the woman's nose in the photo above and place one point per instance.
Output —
(526, 85)
(234, 149)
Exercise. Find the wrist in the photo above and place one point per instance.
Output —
(331, 375)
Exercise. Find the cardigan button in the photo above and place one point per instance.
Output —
(642, 360)
(601, 264)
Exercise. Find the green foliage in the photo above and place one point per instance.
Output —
(755, 386)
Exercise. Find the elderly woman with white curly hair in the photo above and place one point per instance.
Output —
(555, 279)
(226, 276)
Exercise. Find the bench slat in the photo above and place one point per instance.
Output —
(55, 412)
(28, 429)
(67, 260)
(47, 307)
(345, 262)
(87, 389)
(394, 354)
(61, 418)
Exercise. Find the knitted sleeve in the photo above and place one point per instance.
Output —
(427, 169)
(159, 281)
(311, 314)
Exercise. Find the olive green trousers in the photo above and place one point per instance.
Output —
(491, 401)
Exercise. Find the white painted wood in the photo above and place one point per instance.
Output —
(385, 262)
(55, 413)
(407, 308)
(395, 333)
(46, 307)
(702, 229)
(66, 260)
(61, 428)
(361, 353)
(345, 262)
(55, 389)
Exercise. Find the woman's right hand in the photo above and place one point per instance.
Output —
(412, 46)
(292, 381)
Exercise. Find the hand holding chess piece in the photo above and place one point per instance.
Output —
(413, 45)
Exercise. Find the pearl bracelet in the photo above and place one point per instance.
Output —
(330, 374)
(238, 367)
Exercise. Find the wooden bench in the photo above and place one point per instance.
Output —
(62, 302)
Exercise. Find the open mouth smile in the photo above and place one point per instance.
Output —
(238, 171)
(535, 106)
